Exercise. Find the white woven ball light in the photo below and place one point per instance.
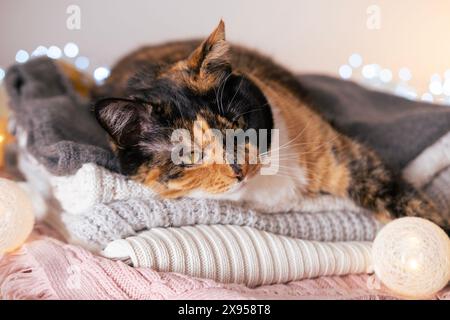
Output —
(411, 256)
(16, 216)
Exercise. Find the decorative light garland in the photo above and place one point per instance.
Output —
(373, 75)
(70, 51)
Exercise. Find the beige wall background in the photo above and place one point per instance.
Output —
(306, 35)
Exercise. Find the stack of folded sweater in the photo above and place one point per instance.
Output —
(65, 156)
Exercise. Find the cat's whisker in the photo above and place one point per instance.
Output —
(290, 142)
(234, 109)
(298, 135)
(328, 142)
(235, 93)
(282, 148)
(241, 114)
(221, 93)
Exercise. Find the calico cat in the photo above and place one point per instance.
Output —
(200, 85)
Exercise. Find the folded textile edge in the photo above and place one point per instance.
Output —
(243, 255)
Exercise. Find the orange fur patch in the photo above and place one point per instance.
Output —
(313, 140)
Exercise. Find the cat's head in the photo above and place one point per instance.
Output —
(192, 104)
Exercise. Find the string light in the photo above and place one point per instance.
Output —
(447, 74)
(404, 74)
(71, 50)
(22, 56)
(355, 60)
(385, 75)
(369, 71)
(427, 97)
(54, 52)
(436, 77)
(381, 79)
(435, 88)
(39, 51)
(82, 63)
(345, 72)
(446, 87)
(101, 73)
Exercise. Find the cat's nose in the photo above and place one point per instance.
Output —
(238, 172)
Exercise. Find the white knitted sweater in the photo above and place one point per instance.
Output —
(234, 254)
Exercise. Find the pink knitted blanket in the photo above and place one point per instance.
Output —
(46, 268)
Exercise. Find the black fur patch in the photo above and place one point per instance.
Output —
(141, 124)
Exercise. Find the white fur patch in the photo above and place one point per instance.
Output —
(271, 193)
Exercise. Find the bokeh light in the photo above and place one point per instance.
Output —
(427, 97)
(436, 78)
(446, 87)
(101, 73)
(39, 51)
(435, 88)
(22, 56)
(54, 52)
(2, 74)
(375, 76)
(386, 75)
(405, 74)
(355, 60)
(71, 50)
(345, 71)
(369, 71)
(447, 74)
(82, 63)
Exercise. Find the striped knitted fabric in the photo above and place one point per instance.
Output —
(117, 220)
(438, 189)
(233, 254)
(433, 160)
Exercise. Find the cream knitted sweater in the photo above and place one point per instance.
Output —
(234, 254)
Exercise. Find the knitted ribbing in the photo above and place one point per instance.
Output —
(116, 220)
(438, 189)
(233, 254)
(434, 159)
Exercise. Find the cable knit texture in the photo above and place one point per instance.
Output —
(233, 254)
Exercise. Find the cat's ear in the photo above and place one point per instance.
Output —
(212, 57)
(124, 120)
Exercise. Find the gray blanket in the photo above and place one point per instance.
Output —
(63, 134)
